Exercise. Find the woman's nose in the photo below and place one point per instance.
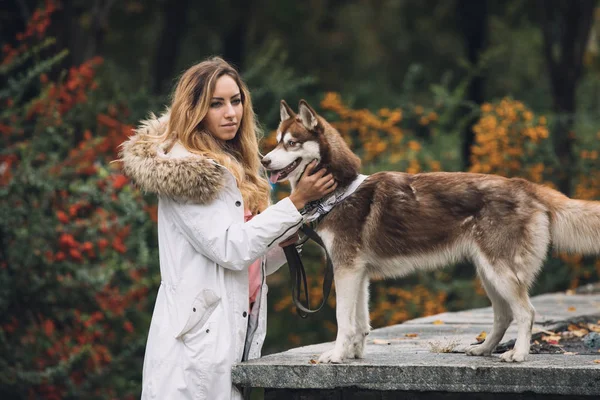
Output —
(229, 112)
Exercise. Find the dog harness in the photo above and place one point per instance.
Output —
(316, 210)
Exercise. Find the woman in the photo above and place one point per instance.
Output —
(202, 160)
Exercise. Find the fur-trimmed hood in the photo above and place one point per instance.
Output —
(178, 174)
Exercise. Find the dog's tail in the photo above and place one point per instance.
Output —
(574, 224)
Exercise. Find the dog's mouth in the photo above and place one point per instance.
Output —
(281, 174)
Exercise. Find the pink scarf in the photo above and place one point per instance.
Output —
(254, 271)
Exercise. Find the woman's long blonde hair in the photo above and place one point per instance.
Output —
(241, 156)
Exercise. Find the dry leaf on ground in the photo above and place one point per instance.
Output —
(551, 339)
(381, 341)
(594, 327)
(575, 331)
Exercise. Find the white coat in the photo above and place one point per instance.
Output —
(201, 323)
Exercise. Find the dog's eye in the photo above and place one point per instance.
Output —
(291, 143)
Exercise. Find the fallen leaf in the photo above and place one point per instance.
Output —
(594, 327)
(552, 339)
(569, 353)
(381, 341)
(536, 329)
(438, 322)
(481, 337)
(411, 335)
(580, 332)
(571, 309)
(574, 331)
(570, 292)
(597, 361)
(313, 361)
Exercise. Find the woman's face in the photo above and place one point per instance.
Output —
(226, 109)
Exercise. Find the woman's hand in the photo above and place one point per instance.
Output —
(312, 187)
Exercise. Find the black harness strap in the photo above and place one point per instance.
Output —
(298, 275)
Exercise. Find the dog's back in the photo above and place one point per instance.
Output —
(401, 222)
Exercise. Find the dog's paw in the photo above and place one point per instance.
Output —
(513, 356)
(331, 356)
(358, 349)
(478, 350)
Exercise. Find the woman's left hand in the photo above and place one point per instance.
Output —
(291, 240)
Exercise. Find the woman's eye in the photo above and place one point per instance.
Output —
(215, 104)
(236, 101)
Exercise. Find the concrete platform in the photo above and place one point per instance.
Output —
(411, 357)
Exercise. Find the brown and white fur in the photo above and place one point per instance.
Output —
(396, 223)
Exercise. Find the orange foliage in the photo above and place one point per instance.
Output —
(395, 305)
(506, 140)
(374, 134)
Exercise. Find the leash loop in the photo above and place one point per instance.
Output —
(298, 275)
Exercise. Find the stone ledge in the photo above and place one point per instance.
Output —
(401, 357)
(543, 374)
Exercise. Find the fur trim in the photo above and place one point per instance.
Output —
(185, 176)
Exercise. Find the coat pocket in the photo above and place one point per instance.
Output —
(200, 311)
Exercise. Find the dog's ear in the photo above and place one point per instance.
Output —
(285, 111)
(308, 116)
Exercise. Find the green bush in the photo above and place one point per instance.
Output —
(77, 241)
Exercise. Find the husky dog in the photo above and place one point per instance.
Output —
(396, 223)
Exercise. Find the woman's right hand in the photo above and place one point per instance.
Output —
(312, 187)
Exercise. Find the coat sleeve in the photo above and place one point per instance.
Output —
(211, 230)
(275, 259)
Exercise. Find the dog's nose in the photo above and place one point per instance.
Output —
(265, 161)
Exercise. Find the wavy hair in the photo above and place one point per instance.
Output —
(241, 156)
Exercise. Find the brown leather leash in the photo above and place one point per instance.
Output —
(298, 274)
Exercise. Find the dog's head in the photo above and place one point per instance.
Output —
(299, 141)
(303, 138)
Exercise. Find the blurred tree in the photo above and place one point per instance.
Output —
(169, 42)
(566, 28)
(473, 23)
(13, 17)
(81, 27)
(234, 41)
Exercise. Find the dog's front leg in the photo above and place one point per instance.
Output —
(347, 285)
